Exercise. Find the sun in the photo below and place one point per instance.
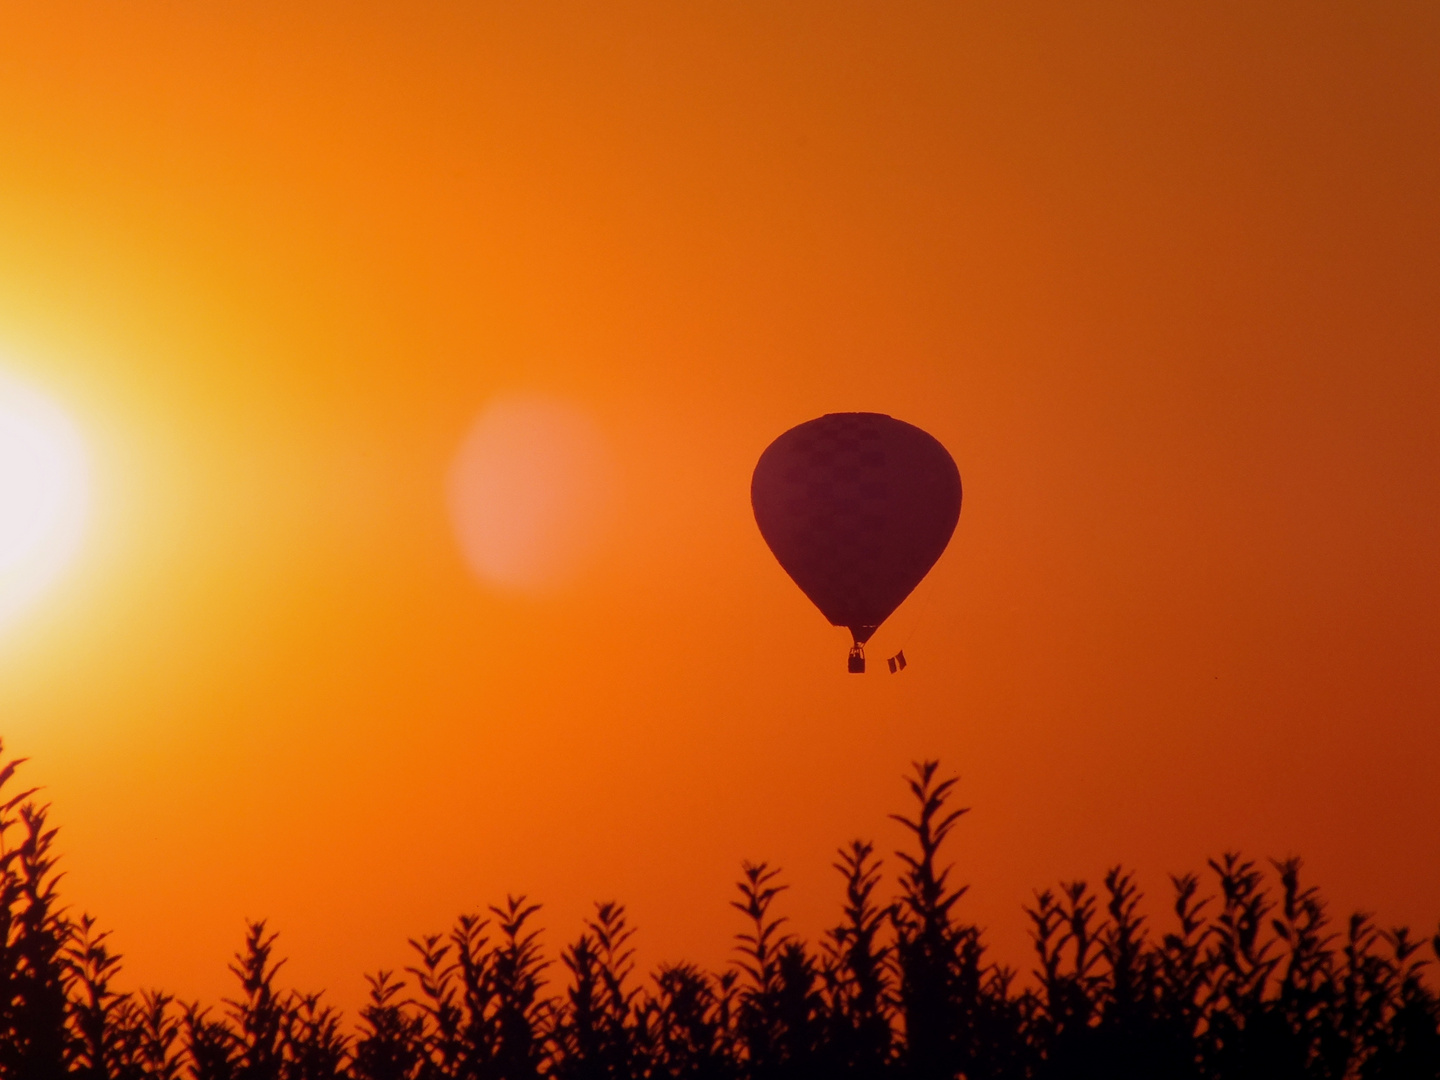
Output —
(44, 494)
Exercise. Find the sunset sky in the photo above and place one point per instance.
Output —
(1163, 278)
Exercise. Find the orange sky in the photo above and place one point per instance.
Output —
(1163, 279)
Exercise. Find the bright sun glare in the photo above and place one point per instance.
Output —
(44, 492)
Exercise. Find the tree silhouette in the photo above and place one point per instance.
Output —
(1252, 980)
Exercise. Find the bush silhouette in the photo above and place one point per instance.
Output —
(1250, 980)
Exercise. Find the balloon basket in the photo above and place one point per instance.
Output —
(856, 665)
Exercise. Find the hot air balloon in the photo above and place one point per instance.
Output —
(856, 507)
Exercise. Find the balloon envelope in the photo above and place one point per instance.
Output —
(856, 507)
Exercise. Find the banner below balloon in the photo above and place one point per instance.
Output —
(856, 507)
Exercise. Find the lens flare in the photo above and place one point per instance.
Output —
(529, 491)
(44, 494)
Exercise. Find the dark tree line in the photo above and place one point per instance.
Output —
(1250, 979)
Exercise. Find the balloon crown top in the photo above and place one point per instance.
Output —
(887, 416)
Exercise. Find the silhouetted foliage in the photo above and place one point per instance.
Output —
(391, 1045)
(1251, 981)
(860, 989)
(598, 1034)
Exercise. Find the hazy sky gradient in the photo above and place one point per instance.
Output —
(1163, 279)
